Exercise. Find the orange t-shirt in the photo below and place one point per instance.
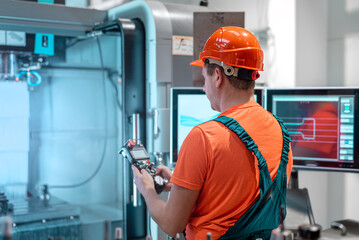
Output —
(214, 160)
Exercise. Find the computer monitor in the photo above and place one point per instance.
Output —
(190, 107)
(323, 124)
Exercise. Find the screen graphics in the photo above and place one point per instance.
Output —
(323, 126)
(189, 108)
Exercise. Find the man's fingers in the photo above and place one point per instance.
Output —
(142, 179)
(137, 172)
(159, 170)
(164, 172)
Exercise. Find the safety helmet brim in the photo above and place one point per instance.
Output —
(197, 63)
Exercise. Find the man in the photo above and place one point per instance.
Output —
(223, 183)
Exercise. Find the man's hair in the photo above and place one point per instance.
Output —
(236, 82)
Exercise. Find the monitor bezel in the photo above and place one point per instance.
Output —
(175, 91)
(323, 165)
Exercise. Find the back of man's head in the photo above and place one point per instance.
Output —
(236, 52)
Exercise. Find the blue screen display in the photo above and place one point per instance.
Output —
(189, 108)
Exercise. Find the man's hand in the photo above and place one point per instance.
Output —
(172, 216)
(143, 180)
(166, 173)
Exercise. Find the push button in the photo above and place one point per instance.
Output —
(131, 143)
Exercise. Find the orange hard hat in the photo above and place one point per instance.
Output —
(233, 46)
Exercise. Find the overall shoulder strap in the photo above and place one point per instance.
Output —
(234, 126)
(286, 140)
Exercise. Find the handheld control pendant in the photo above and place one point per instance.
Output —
(137, 155)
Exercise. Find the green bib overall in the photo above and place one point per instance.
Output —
(264, 215)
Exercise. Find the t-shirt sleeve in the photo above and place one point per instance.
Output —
(192, 164)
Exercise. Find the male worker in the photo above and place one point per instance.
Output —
(231, 174)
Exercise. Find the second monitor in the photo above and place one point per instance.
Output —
(323, 126)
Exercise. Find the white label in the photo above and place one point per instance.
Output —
(14, 38)
(182, 45)
(2, 37)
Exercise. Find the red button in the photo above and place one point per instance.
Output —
(131, 143)
(148, 161)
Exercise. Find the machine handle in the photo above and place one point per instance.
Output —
(136, 200)
(155, 122)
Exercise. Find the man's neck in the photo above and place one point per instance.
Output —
(235, 97)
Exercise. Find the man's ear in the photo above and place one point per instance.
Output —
(219, 78)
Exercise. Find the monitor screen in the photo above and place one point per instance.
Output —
(190, 107)
(323, 125)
